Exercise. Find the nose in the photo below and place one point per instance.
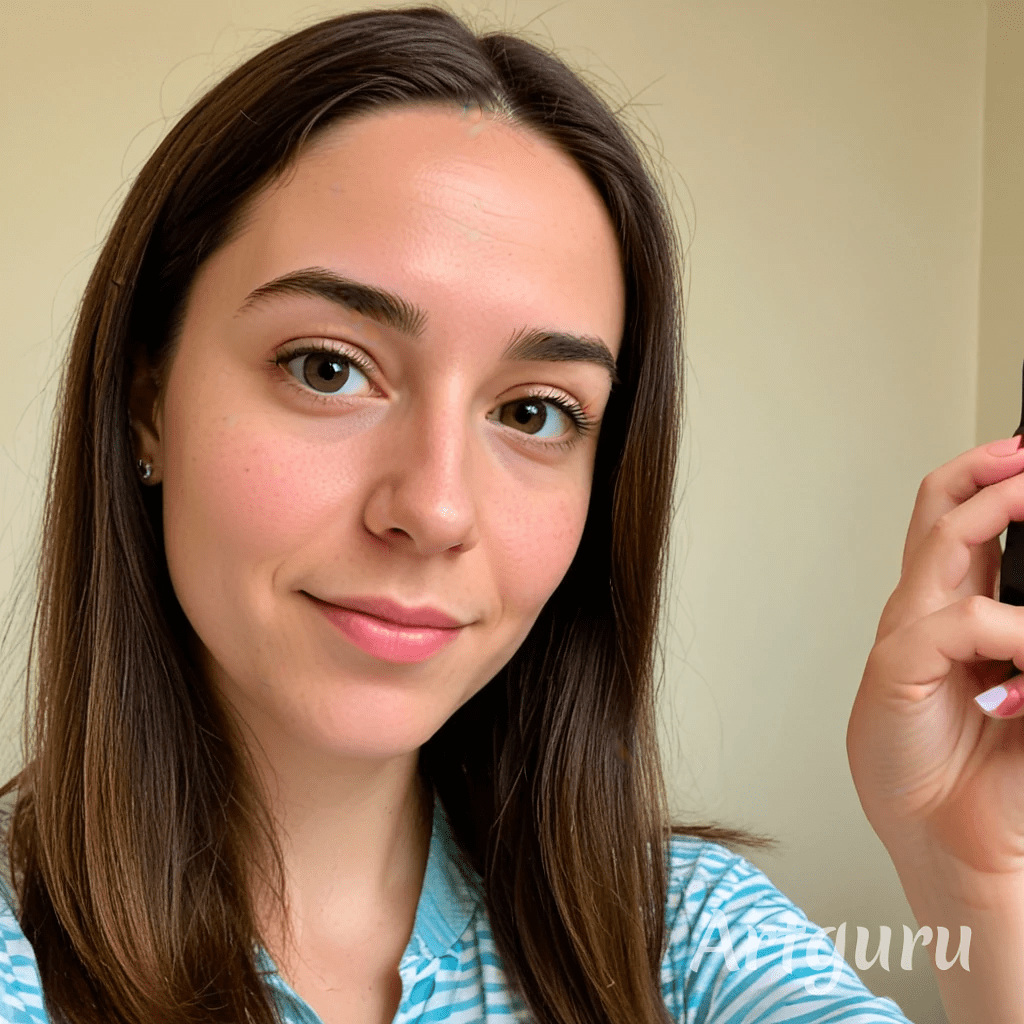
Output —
(422, 496)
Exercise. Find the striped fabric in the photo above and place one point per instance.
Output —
(739, 952)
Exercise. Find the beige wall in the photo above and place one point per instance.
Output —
(827, 157)
(1001, 310)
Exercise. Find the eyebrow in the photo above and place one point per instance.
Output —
(527, 344)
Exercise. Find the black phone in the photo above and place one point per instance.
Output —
(1011, 572)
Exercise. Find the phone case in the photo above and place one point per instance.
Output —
(1011, 573)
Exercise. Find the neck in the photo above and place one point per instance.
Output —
(354, 836)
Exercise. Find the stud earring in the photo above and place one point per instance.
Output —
(145, 469)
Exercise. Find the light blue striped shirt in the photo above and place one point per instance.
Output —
(739, 952)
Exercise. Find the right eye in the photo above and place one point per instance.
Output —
(326, 371)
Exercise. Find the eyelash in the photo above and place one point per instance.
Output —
(582, 423)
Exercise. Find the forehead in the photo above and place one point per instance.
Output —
(435, 202)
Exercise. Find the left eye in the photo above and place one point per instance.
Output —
(325, 372)
(534, 416)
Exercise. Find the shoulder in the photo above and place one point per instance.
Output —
(21, 995)
(739, 949)
(706, 878)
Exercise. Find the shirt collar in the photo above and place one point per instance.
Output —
(447, 902)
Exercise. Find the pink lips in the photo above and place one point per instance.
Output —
(389, 631)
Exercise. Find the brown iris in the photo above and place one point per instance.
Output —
(325, 369)
(521, 413)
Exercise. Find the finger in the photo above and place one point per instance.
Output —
(951, 485)
(942, 560)
(919, 656)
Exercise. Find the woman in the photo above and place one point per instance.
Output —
(359, 504)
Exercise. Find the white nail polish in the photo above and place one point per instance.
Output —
(991, 699)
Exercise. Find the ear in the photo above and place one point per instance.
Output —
(145, 414)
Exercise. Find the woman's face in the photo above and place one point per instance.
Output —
(317, 443)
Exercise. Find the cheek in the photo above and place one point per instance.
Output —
(239, 497)
(234, 493)
(538, 534)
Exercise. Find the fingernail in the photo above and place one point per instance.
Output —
(1008, 446)
(1000, 700)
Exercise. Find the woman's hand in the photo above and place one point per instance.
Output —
(940, 780)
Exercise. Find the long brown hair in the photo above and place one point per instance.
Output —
(132, 839)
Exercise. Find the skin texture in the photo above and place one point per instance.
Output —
(411, 487)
